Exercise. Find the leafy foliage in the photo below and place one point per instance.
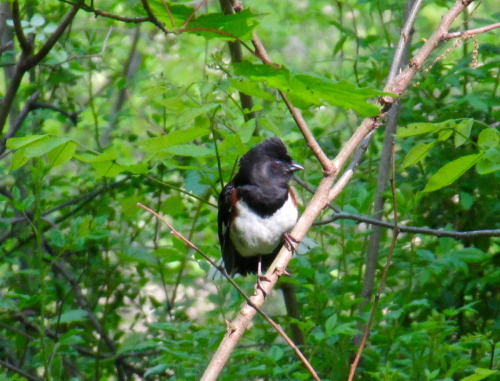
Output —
(91, 287)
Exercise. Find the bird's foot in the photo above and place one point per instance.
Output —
(262, 278)
(290, 243)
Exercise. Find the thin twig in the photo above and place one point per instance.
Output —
(19, 371)
(153, 18)
(411, 229)
(167, 9)
(471, 32)
(276, 326)
(320, 199)
(25, 44)
(404, 40)
(193, 13)
(97, 12)
(19, 120)
(296, 114)
(207, 202)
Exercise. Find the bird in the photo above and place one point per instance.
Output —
(257, 209)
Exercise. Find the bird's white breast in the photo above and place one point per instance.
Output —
(254, 235)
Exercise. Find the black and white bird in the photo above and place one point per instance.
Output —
(257, 209)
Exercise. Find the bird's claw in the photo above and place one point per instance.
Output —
(262, 278)
(290, 242)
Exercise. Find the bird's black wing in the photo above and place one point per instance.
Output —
(234, 262)
(224, 218)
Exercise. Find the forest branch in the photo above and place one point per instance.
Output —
(471, 32)
(412, 229)
(276, 326)
(321, 197)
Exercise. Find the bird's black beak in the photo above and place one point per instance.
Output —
(295, 167)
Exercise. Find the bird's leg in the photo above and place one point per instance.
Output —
(290, 242)
(261, 277)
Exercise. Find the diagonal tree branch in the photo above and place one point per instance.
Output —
(238, 288)
(321, 198)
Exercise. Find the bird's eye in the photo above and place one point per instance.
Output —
(276, 164)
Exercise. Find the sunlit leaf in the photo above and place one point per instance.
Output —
(227, 27)
(414, 129)
(480, 374)
(307, 89)
(71, 316)
(488, 138)
(42, 146)
(462, 131)
(169, 12)
(490, 162)
(451, 171)
(62, 153)
(417, 153)
(18, 159)
(172, 139)
(15, 143)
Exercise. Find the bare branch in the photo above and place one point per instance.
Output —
(28, 61)
(471, 32)
(26, 45)
(153, 18)
(412, 229)
(401, 81)
(276, 326)
(51, 41)
(320, 200)
(193, 13)
(20, 119)
(97, 12)
(297, 115)
(12, 367)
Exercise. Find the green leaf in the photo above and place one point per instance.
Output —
(71, 337)
(18, 159)
(62, 154)
(172, 139)
(417, 153)
(42, 146)
(71, 316)
(488, 138)
(490, 162)
(176, 13)
(471, 255)
(462, 131)
(278, 78)
(444, 135)
(15, 143)
(226, 27)
(276, 353)
(157, 369)
(330, 324)
(414, 129)
(251, 88)
(307, 89)
(56, 238)
(480, 374)
(451, 171)
(313, 90)
(107, 168)
(191, 150)
(108, 155)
